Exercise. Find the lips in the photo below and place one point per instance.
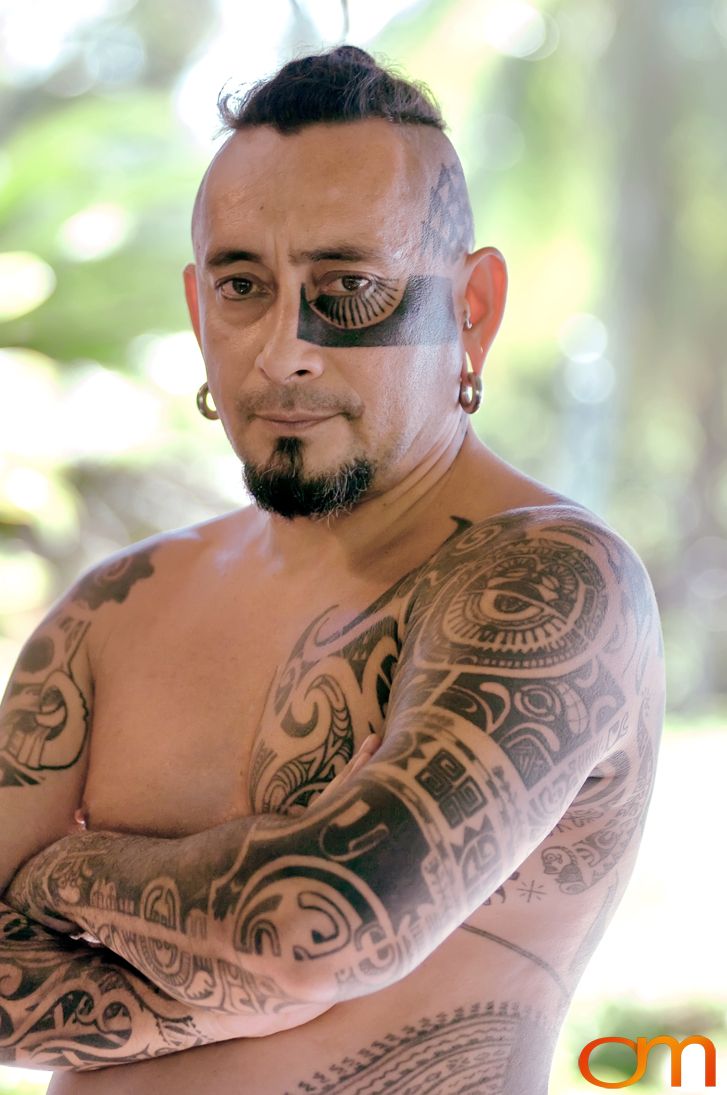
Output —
(294, 419)
(293, 423)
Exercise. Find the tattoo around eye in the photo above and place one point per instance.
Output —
(362, 308)
(422, 315)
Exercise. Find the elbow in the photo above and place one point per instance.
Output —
(321, 966)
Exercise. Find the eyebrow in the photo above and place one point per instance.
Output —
(336, 253)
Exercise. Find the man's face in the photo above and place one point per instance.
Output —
(327, 263)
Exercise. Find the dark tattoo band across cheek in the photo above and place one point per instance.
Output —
(423, 316)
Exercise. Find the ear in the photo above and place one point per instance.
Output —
(485, 295)
(190, 292)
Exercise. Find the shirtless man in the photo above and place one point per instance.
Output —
(415, 920)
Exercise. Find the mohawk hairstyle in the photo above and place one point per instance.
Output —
(344, 84)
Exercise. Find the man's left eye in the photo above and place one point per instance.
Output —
(359, 302)
(350, 283)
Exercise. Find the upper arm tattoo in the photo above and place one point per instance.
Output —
(522, 635)
(45, 714)
(503, 637)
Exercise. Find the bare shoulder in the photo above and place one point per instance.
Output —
(163, 556)
(553, 555)
(136, 579)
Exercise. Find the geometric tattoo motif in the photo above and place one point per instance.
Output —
(458, 797)
(525, 606)
(448, 231)
(468, 1050)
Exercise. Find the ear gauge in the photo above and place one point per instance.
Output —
(467, 321)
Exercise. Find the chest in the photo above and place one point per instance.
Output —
(209, 710)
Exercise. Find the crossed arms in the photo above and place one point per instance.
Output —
(520, 667)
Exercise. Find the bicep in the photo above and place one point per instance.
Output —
(525, 662)
(45, 718)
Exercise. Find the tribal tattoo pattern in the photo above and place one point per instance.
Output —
(333, 689)
(448, 231)
(44, 723)
(468, 1050)
(415, 312)
(45, 716)
(506, 674)
(113, 581)
(63, 1005)
(371, 304)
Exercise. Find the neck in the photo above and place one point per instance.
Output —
(387, 514)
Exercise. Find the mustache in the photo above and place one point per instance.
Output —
(298, 400)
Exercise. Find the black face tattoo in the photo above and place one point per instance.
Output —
(420, 313)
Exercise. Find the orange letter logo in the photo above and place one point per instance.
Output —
(642, 1048)
(584, 1066)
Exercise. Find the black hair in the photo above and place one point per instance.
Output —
(344, 84)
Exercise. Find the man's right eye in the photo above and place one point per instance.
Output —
(236, 288)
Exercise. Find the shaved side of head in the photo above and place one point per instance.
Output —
(342, 87)
(437, 192)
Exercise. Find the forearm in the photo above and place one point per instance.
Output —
(151, 901)
(245, 919)
(65, 1005)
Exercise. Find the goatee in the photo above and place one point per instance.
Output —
(281, 486)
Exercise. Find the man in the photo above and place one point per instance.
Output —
(413, 917)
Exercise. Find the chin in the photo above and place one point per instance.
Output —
(288, 485)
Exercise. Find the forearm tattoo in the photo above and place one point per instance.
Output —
(540, 641)
(63, 1005)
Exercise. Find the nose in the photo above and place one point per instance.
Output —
(284, 356)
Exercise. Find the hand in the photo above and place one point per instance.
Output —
(36, 889)
(357, 761)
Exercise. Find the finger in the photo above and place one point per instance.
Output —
(357, 761)
(364, 754)
(80, 821)
(366, 750)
